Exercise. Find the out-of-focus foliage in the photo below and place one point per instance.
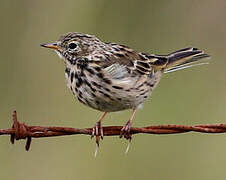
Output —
(32, 82)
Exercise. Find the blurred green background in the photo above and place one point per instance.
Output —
(32, 82)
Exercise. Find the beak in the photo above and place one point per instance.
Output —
(50, 45)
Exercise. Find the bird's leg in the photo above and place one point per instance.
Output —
(125, 131)
(98, 130)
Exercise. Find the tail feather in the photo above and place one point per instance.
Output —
(184, 58)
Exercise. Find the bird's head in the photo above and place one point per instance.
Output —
(74, 45)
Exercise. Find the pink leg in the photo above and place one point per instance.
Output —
(125, 131)
(98, 130)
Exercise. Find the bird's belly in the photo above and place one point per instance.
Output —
(108, 95)
(111, 101)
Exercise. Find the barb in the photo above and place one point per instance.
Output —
(23, 131)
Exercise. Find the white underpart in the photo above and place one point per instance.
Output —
(59, 54)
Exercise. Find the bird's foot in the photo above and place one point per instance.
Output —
(98, 132)
(125, 131)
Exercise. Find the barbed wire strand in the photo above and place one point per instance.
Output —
(22, 131)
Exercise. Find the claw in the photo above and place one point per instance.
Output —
(125, 131)
(96, 151)
(93, 133)
(101, 133)
(98, 140)
(98, 132)
(128, 147)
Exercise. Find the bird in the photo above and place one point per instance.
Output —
(111, 77)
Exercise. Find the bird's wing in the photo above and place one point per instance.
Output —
(125, 58)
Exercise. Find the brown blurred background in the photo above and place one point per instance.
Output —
(32, 82)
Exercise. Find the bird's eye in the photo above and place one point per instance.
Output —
(72, 45)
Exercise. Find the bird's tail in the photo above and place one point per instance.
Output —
(184, 58)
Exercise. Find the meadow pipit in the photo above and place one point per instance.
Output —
(111, 77)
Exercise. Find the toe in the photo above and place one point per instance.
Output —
(98, 132)
(125, 131)
(101, 133)
(98, 140)
(93, 132)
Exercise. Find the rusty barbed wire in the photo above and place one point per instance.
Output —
(22, 131)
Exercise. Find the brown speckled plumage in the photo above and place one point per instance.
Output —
(112, 77)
